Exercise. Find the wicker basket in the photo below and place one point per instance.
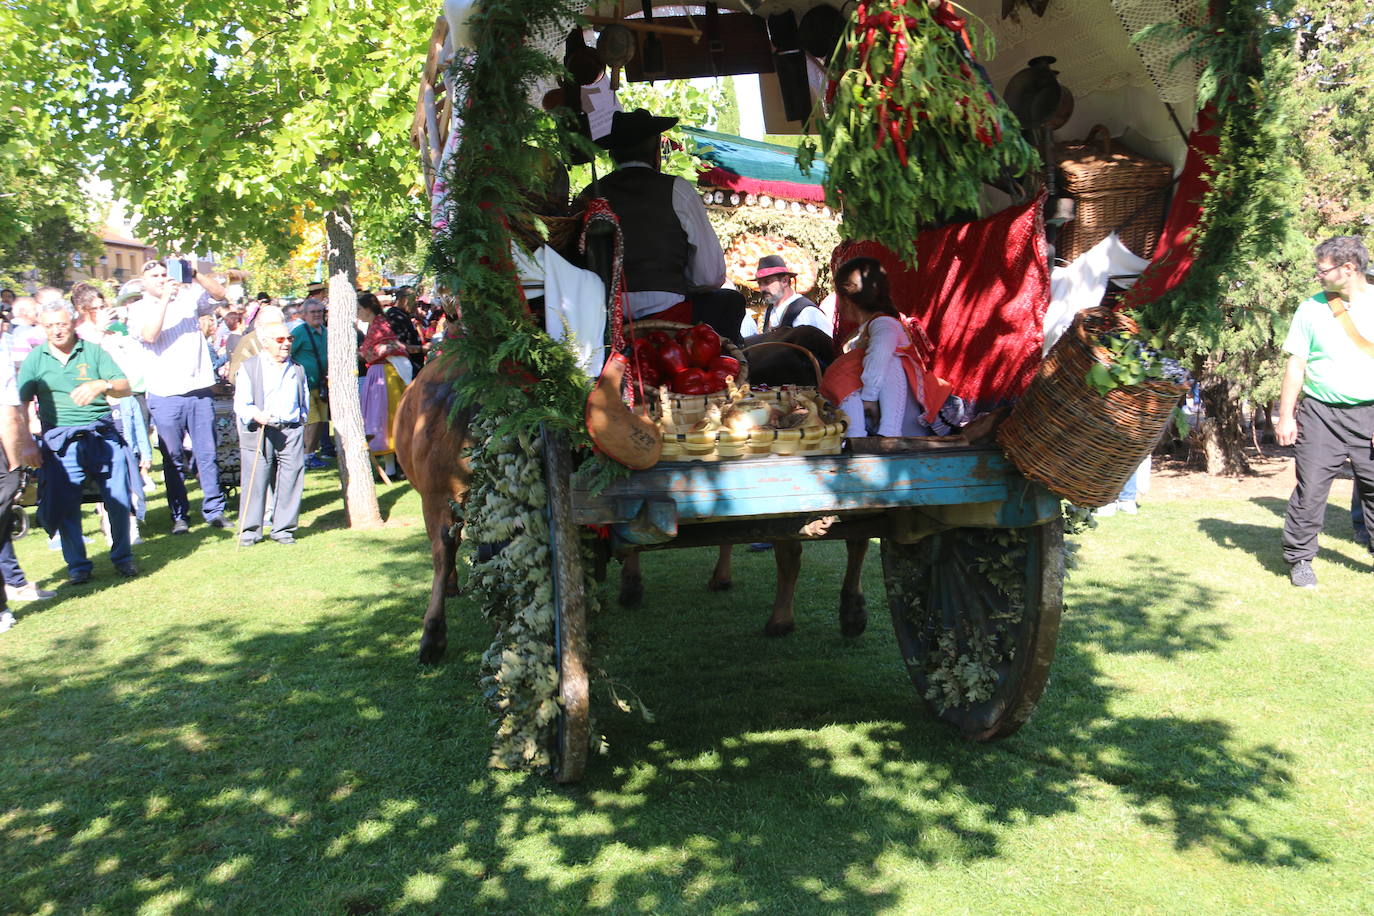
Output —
(1116, 190)
(1080, 444)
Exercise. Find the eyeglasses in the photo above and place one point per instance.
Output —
(282, 340)
(1323, 271)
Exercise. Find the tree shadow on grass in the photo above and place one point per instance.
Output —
(1264, 542)
(317, 769)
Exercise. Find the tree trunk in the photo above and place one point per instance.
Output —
(345, 408)
(1223, 434)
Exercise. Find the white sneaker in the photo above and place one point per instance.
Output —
(28, 592)
(6, 620)
(1128, 506)
(1106, 511)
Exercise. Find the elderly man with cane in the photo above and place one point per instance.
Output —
(271, 404)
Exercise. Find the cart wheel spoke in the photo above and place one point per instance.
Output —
(976, 613)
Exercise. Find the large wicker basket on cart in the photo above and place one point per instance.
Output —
(1078, 443)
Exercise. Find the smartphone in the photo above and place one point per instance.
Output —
(179, 270)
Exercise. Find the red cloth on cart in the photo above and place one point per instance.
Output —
(1175, 255)
(981, 292)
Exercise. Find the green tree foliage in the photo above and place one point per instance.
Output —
(44, 216)
(1289, 82)
(219, 121)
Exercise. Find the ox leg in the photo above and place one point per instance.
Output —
(787, 558)
(631, 581)
(721, 578)
(442, 547)
(853, 612)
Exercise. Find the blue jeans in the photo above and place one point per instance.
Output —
(64, 474)
(10, 570)
(175, 416)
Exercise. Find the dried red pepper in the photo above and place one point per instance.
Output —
(898, 59)
(896, 133)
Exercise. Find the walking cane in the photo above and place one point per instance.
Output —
(252, 475)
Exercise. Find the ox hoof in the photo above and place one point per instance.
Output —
(720, 585)
(853, 614)
(772, 629)
(433, 645)
(631, 591)
(432, 652)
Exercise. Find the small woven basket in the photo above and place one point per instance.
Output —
(1116, 190)
(1080, 444)
(681, 443)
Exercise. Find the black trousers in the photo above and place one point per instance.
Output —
(9, 489)
(1328, 435)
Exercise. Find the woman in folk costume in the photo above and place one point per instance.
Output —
(389, 371)
(881, 381)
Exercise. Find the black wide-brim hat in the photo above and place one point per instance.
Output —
(630, 127)
(770, 265)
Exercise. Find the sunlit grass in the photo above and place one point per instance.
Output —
(247, 731)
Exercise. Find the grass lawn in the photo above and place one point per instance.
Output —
(248, 732)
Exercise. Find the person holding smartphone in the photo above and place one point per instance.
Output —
(179, 374)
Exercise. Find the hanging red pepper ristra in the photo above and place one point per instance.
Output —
(909, 130)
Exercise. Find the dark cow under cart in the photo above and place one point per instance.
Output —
(971, 551)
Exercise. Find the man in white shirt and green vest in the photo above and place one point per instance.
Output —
(1331, 365)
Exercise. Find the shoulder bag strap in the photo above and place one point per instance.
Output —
(1342, 315)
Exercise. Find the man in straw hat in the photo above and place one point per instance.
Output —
(674, 267)
(787, 308)
(271, 403)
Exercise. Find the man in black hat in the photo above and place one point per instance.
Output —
(787, 308)
(671, 252)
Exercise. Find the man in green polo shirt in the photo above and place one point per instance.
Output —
(1331, 364)
(71, 379)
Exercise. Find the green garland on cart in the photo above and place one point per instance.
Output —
(518, 376)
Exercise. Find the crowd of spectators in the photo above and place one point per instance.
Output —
(90, 386)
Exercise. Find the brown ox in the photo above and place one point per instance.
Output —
(430, 449)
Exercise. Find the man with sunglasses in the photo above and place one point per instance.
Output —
(271, 404)
(1331, 365)
(178, 374)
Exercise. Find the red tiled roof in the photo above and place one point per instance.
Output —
(118, 237)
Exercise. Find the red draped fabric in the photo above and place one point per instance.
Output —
(1174, 255)
(981, 292)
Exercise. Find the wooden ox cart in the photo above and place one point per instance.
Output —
(972, 552)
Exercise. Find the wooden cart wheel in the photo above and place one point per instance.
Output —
(977, 617)
(574, 721)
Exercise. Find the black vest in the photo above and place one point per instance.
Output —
(789, 317)
(655, 242)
